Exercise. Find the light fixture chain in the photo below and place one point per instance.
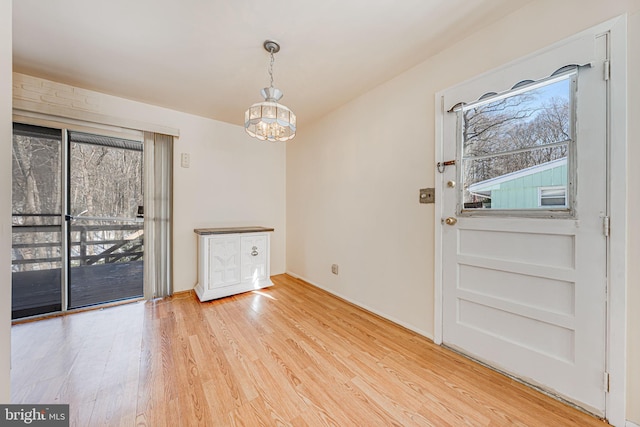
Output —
(271, 68)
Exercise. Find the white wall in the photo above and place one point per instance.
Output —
(232, 180)
(352, 200)
(5, 195)
(353, 178)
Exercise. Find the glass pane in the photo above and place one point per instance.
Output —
(105, 181)
(269, 111)
(513, 181)
(36, 256)
(515, 144)
(552, 201)
(552, 192)
(255, 111)
(105, 237)
(106, 261)
(531, 119)
(283, 114)
(35, 176)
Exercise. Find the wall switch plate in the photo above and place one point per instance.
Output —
(427, 195)
(334, 268)
(185, 160)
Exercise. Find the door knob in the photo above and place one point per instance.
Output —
(450, 221)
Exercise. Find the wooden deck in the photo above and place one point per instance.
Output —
(38, 292)
(288, 355)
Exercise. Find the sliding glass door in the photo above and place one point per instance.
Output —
(77, 220)
(105, 225)
(36, 262)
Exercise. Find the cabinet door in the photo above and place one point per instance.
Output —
(224, 260)
(255, 251)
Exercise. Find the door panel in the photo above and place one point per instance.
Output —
(105, 232)
(36, 221)
(524, 289)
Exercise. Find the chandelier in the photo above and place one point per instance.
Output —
(269, 120)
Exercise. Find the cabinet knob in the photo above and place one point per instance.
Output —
(254, 251)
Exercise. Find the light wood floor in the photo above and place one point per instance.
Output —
(288, 355)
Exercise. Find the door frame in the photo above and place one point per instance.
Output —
(615, 340)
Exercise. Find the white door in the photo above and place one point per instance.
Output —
(523, 233)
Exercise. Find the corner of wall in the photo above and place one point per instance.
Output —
(5, 194)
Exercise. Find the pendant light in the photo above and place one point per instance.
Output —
(268, 120)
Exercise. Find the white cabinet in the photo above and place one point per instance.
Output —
(232, 260)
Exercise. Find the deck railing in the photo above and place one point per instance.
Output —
(90, 244)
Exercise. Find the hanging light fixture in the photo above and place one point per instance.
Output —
(269, 120)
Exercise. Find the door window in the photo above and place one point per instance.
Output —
(516, 148)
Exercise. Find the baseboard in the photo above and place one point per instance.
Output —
(182, 292)
(631, 424)
(365, 307)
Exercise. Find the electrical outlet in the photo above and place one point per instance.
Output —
(334, 268)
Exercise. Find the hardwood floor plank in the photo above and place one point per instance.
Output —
(277, 392)
(289, 355)
(351, 400)
(191, 398)
(450, 407)
(401, 413)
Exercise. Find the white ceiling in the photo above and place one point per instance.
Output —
(205, 57)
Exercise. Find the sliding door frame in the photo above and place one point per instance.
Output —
(33, 119)
(65, 236)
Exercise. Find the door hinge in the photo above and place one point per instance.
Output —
(606, 382)
(606, 226)
(607, 70)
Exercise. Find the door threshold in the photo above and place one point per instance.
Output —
(531, 385)
(38, 317)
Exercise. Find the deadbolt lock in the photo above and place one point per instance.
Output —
(427, 195)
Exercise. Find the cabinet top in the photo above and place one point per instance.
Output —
(231, 230)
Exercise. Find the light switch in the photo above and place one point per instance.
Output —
(185, 160)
